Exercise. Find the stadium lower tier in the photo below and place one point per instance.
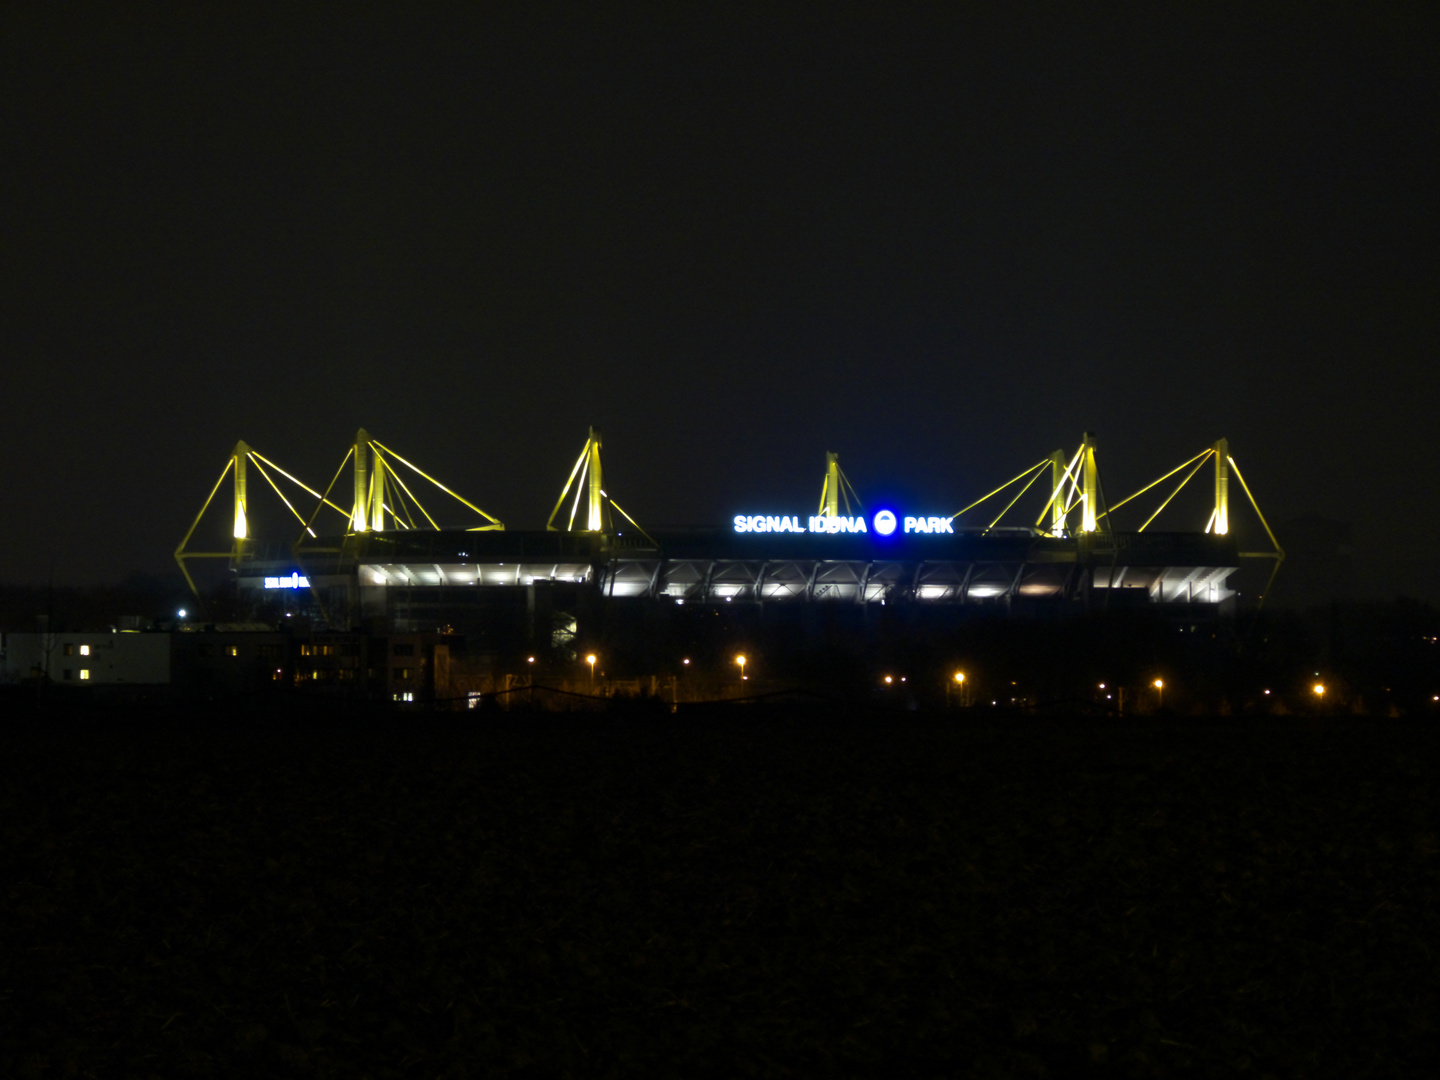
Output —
(411, 582)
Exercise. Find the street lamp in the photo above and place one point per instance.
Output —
(591, 661)
(1319, 689)
(741, 661)
(1159, 685)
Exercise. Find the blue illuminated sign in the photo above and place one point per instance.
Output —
(884, 523)
(294, 581)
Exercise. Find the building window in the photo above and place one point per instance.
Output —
(204, 650)
(69, 649)
(232, 650)
(402, 673)
(404, 650)
(406, 696)
(84, 650)
(84, 673)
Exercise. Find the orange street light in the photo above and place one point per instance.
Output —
(591, 661)
(741, 661)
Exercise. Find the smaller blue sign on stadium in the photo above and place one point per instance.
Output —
(294, 581)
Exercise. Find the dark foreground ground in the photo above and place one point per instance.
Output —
(785, 895)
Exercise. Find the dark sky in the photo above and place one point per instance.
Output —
(942, 241)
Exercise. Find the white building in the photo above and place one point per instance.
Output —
(95, 658)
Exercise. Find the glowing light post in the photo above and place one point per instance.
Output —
(959, 683)
(1159, 685)
(591, 661)
(741, 661)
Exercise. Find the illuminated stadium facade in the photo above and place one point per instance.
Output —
(393, 569)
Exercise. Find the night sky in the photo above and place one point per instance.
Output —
(942, 242)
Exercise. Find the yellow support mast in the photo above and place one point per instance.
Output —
(1057, 505)
(587, 467)
(377, 495)
(830, 488)
(836, 492)
(1221, 521)
(240, 530)
(359, 516)
(598, 504)
(594, 519)
(1091, 485)
(242, 524)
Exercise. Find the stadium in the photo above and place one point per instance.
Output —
(379, 561)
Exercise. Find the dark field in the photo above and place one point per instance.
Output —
(781, 895)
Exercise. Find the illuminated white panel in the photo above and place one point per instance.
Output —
(1039, 589)
(629, 588)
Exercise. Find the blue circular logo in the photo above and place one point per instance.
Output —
(884, 523)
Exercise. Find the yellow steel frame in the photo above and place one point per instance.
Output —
(493, 523)
(382, 498)
(1278, 554)
(1219, 521)
(587, 468)
(836, 491)
(1058, 507)
(1198, 457)
(1014, 480)
(239, 457)
(1073, 484)
(598, 503)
